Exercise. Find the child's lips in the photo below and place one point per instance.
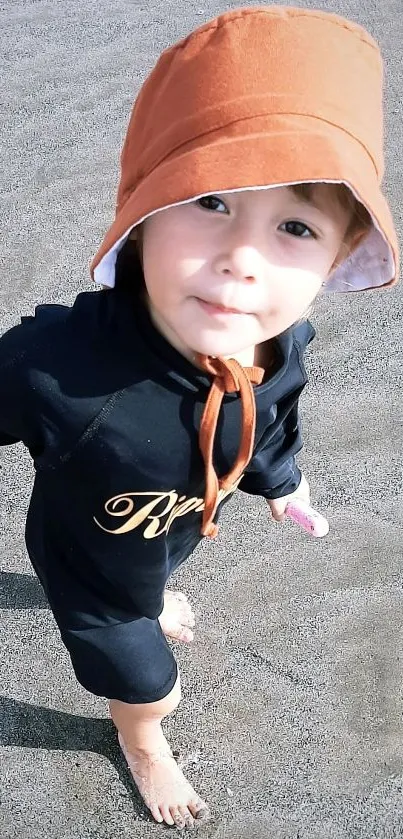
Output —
(216, 309)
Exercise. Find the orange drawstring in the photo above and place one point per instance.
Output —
(229, 377)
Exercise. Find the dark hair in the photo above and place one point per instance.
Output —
(129, 275)
(361, 220)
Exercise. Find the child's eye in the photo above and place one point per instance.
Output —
(211, 202)
(297, 228)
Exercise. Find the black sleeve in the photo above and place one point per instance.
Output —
(15, 400)
(20, 350)
(273, 471)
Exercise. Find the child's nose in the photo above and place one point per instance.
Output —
(244, 264)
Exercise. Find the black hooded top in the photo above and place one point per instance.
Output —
(110, 413)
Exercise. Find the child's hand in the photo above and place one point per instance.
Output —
(278, 505)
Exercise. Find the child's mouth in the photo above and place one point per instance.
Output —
(217, 309)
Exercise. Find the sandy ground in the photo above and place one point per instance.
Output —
(291, 720)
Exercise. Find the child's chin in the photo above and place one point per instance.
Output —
(217, 349)
(208, 342)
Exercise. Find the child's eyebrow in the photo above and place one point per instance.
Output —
(306, 199)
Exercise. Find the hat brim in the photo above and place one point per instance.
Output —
(274, 150)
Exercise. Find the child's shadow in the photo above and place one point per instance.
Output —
(34, 727)
(21, 591)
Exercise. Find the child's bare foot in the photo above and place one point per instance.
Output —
(177, 617)
(164, 788)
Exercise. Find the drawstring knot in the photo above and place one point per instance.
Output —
(229, 377)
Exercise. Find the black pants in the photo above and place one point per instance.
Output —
(128, 661)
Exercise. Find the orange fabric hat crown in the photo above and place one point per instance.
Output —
(258, 98)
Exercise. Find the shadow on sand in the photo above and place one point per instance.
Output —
(31, 726)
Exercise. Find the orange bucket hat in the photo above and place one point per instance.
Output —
(260, 97)
(257, 98)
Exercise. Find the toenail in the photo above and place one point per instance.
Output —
(189, 821)
(203, 814)
(178, 819)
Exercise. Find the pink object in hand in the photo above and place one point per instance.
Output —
(308, 518)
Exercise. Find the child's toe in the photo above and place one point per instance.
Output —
(189, 820)
(167, 815)
(199, 810)
(178, 817)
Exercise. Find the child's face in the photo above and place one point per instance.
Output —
(227, 272)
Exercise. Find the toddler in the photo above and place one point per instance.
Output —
(250, 181)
